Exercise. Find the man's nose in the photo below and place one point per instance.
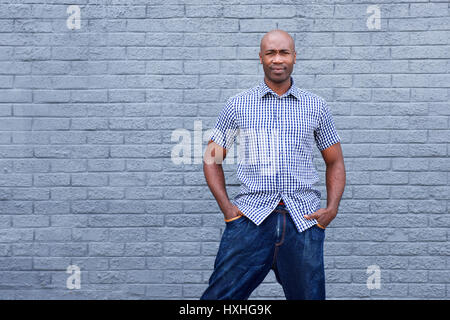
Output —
(277, 58)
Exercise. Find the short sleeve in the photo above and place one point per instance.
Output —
(325, 133)
(225, 129)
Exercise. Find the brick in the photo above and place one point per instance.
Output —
(256, 25)
(181, 248)
(428, 94)
(295, 24)
(89, 206)
(428, 9)
(189, 234)
(107, 277)
(16, 96)
(88, 96)
(428, 37)
(155, 39)
(420, 52)
(409, 109)
(53, 207)
(15, 152)
(438, 136)
(128, 263)
(88, 179)
(127, 179)
(68, 250)
(68, 193)
(127, 235)
(144, 276)
(102, 53)
(210, 11)
(165, 291)
(48, 234)
(428, 150)
(426, 290)
(165, 67)
(106, 193)
(143, 249)
(420, 80)
(15, 263)
(174, 53)
(326, 24)
(431, 66)
(431, 178)
(104, 137)
(30, 194)
(33, 221)
(88, 67)
(278, 11)
(127, 220)
(242, 11)
(394, 178)
(187, 276)
(201, 67)
(352, 39)
(129, 67)
(127, 124)
(106, 249)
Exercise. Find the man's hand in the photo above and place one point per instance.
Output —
(231, 212)
(324, 216)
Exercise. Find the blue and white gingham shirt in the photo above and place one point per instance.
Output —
(275, 136)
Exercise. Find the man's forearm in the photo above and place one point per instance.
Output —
(215, 179)
(335, 181)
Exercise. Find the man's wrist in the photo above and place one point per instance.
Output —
(332, 210)
(227, 206)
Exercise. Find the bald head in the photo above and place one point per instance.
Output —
(278, 38)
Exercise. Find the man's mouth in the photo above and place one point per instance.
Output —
(277, 69)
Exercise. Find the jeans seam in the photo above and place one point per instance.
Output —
(283, 233)
(278, 244)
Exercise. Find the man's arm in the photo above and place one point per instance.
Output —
(215, 178)
(335, 175)
(335, 182)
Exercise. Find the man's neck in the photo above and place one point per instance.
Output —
(279, 88)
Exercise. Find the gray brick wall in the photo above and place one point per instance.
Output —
(87, 116)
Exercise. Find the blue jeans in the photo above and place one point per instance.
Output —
(248, 252)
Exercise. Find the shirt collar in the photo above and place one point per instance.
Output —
(264, 89)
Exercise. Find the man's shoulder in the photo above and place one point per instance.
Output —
(244, 95)
(311, 96)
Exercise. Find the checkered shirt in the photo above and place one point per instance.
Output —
(275, 136)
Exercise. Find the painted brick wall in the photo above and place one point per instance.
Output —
(86, 123)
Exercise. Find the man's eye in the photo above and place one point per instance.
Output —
(281, 52)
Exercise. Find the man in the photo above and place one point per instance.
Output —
(275, 222)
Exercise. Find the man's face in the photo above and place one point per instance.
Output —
(277, 56)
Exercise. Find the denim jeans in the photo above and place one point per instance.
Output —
(248, 252)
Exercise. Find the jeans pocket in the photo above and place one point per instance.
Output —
(234, 219)
(320, 227)
(317, 233)
(234, 227)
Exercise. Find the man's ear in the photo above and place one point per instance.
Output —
(260, 57)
